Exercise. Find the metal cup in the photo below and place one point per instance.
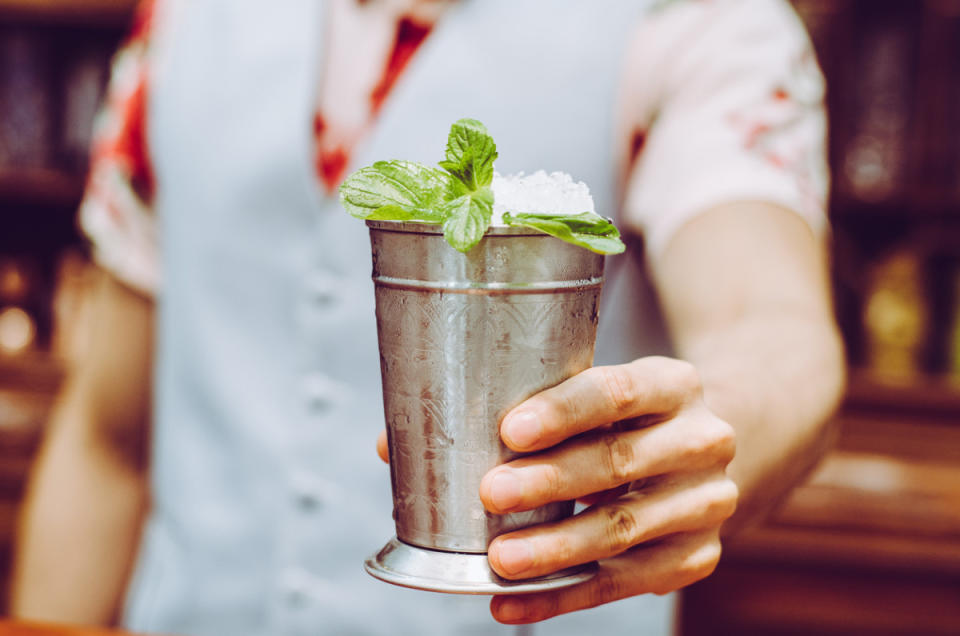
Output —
(463, 339)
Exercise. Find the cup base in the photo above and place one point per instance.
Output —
(459, 573)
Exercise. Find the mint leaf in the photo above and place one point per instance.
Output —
(586, 229)
(469, 158)
(470, 154)
(459, 197)
(398, 191)
(467, 219)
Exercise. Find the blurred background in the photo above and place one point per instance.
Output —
(870, 544)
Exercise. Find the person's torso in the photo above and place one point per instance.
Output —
(267, 491)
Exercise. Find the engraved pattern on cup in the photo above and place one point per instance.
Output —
(463, 339)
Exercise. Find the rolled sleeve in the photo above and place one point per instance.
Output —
(116, 212)
(738, 116)
(121, 229)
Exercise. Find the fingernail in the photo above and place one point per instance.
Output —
(510, 609)
(515, 555)
(505, 490)
(523, 429)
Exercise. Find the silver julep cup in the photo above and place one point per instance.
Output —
(463, 339)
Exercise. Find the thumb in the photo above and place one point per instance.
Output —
(382, 447)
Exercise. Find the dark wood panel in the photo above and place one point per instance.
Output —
(17, 628)
(918, 395)
(107, 13)
(31, 372)
(40, 188)
(879, 493)
(869, 544)
(912, 436)
(28, 387)
(777, 600)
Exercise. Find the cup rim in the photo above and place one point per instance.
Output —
(420, 227)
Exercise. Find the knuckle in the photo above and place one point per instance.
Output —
(731, 494)
(606, 588)
(619, 457)
(685, 378)
(722, 501)
(569, 408)
(553, 482)
(562, 552)
(714, 438)
(617, 386)
(705, 560)
(699, 564)
(548, 607)
(622, 528)
(723, 439)
(663, 588)
(542, 607)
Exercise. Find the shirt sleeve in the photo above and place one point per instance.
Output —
(730, 109)
(116, 212)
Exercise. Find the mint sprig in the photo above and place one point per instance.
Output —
(397, 191)
(459, 196)
(467, 219)
(586, 229)
(470, 154)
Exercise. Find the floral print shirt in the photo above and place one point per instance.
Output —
(721, 101)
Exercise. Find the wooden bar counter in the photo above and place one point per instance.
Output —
(869, 544)
(17, 628)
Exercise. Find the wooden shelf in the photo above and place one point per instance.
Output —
(28, 386)
(866, 510)
(868, 544)
(888, 495)
(30, 628)
(918, 395)
(943, 212)
(796, 601)
(35, 187)
(30, 372)
(109, 13)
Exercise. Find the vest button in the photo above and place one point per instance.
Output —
(295, 587)
(310, 492)
(308, 501)
(319, 392)
(322, 290)
(323, 300)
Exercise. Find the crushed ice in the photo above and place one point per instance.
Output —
(553, 193)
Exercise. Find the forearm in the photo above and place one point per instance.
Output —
(87, 495)
(746, 290)
(79, 528)
(776, 379)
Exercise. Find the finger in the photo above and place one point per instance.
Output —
(698, 502)
(694, 440)
(599, 396)
(667, 566)
(382, 449)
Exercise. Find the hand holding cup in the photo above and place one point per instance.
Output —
(638, 443)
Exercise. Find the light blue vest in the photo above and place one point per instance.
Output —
(267, 491)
